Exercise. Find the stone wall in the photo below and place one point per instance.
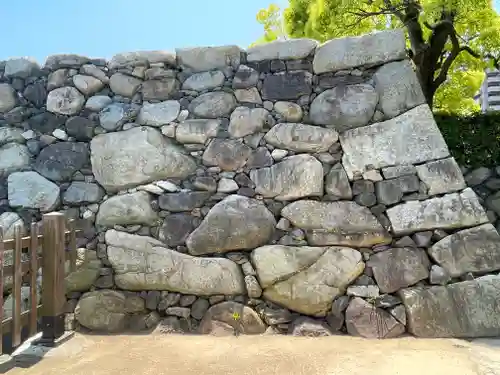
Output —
(290, 188)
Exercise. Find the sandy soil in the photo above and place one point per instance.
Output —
(264, 355)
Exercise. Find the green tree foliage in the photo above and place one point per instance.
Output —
(450, 41)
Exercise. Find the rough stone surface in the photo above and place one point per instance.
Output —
(127, 209)
(136, 156)
(13, 157)
(306, 282)
(292, 188)
(59, 161)
(301, 137)
(469, 250)
(142, 263)
(102, 310)
(412, 137)
(157, 114)
(399, 268)
(466, 309)
(213, 104)
(282, 49)
(65, 101)
(452, 211)
(242, 224)
(336, 223)
(196, 130)
(200, 59)
(398, 88)
(370, 49)
(31, 190)
(275, 182)
(8, 98)
(441, 176)
(366, 320)
(344, 107)
(248, 322)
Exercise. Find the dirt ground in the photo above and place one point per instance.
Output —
(264, 355)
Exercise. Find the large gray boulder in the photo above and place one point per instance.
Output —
(87, 85)
(137, 156)
(466, 309)
(31, 190)
(365, 50)
(365, 320)
(399, 268)
(157, 114)
(245, 121)
(204, 81)
(13, 157)
(228, 154)
(213, 104)
(344, 107)
(65, 101)
(451, 211)
(306, 279)
(81, 193)
(127, 209)
(411, 138)
(21, 67)
(124, 85)
(301, 137)
(196, 130)
(336, 223)
(87, 271)
(470, 250)
(102, 310)
(441, 176)
(295, 177)
(143, 263)
(242, 224)
(398, 88)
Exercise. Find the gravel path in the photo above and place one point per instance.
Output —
(265, 355)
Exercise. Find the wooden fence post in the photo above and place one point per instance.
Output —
(53, 287)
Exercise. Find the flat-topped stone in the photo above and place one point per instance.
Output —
(410, 138)
(451, 211)
(282, 49)
(336, 223)
(366, 50)
(200, 59)
(141, 58)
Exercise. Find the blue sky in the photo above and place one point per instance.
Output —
(101, 28)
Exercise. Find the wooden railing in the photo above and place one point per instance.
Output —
(49, 251)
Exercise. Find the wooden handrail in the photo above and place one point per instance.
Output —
(26, 241)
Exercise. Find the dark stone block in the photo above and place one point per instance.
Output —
(36, 93)
(59, 161)
(46, 122)
(287, 85)
(81, 128)
(184, 201)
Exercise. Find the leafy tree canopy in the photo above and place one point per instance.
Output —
(451, 42)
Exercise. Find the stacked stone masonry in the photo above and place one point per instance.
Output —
(290, 188)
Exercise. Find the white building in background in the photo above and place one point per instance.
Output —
(489, 93)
